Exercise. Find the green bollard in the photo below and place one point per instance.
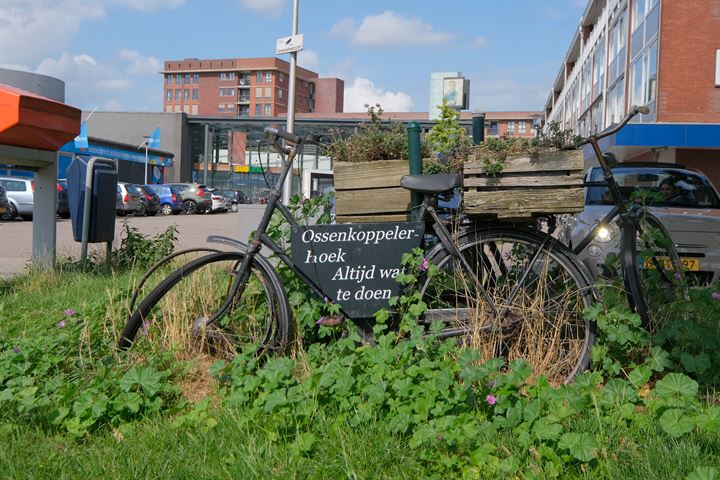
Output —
(413, 130)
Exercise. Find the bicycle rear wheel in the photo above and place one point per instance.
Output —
(652, 270)
(538, 292)
(172, 314)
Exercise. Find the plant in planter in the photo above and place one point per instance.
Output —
(368, 167)
(448, 141)
(516, 178)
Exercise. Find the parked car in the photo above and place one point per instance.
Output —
(4, 203)
(149, 202)
(237, 197)
(220, 201)
(685, 201)
(19, 191)
(128, 199)
(63, 202)
(196, 197)
(170, 198)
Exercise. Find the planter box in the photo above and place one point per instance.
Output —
(549, 182)
(371, 191)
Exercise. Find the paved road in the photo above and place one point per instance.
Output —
(16, 236)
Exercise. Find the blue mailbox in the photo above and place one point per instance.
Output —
(98, 177)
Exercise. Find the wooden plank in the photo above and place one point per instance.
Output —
(370, 201)
(572, 180)
(520, 202)
(399, 217)
(543, 162)
(378, 174)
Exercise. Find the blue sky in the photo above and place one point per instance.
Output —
(109, 51)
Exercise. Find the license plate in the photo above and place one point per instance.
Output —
(689, 264)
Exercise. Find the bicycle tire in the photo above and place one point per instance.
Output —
(653, 287)
(268, 323)
(556, 341)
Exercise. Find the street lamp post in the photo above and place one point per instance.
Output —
(287, 187)
(147, 141)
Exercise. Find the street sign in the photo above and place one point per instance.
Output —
(293, 43)
(355, 264)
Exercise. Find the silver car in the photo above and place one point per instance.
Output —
(685, 201)
(4, 203)
(19, 191)
(127, 199)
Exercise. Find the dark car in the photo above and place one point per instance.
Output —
(63, 203)
(196, 197)
(238, 197)
(149, 202)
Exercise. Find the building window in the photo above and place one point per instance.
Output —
(616, 103)
(258, 92)
(258, 77)
(281, 77)
(268, 77)
(258, 110)
(227, 75)
(229, 108)
(196, 78)
(268, 92)
(177, 94)
(280, 93)
(521, 126)
(598, 69)
(511, 126)
(221, 107)
(186, 79)
(168, 95)
(178, 79)
(585, 80)
(616, 48)
(195, 94)
(168, 79)
(186, 94)
(494, 128)
(644, 77)
(267, 110)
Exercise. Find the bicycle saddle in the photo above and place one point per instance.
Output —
(436, 183)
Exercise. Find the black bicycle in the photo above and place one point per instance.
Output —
(652, 271)
(506, 290)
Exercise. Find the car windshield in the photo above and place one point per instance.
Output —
(656, 186)
(133, 189)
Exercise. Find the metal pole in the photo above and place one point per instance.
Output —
(146, 159)
(415, 157)
(287, 187)
(478, 127)
(207, 151)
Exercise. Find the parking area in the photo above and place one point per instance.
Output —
(16, 235)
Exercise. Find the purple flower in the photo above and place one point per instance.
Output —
(491, 400)
(145, 327)
(321, 320)
(424, 265)
(440, 438)
(16, 349)
(69, 312)
(678, 276)
(716, 295)
(61, 324)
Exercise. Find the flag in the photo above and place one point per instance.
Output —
(154, 140)
(81, 141)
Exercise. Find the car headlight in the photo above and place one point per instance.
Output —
(605, 234)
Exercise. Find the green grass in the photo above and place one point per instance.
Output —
(246, 439)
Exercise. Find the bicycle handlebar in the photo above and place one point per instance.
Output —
(634, 110)
(276, 132)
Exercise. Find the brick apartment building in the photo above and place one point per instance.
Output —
(242, 87)
(661, 53)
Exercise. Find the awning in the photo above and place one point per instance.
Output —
(637, 137)
(31, 121)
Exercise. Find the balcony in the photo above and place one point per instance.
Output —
(243, 99)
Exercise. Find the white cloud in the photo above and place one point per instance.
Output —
(32, 30)
(150, 5)
(87, 81)
(271, 8)
(343, 28)
(389, 29)
(112, 106)
(309, 59)
(479, 42)
(140, 65)
(363, 91)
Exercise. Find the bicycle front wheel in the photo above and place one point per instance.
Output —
(516, 295)
(173, 313)
(652, 270)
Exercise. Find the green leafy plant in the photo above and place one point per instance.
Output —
(141, 251)
(448, 140)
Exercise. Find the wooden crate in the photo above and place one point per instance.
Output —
(549, 182)
(371, 191)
